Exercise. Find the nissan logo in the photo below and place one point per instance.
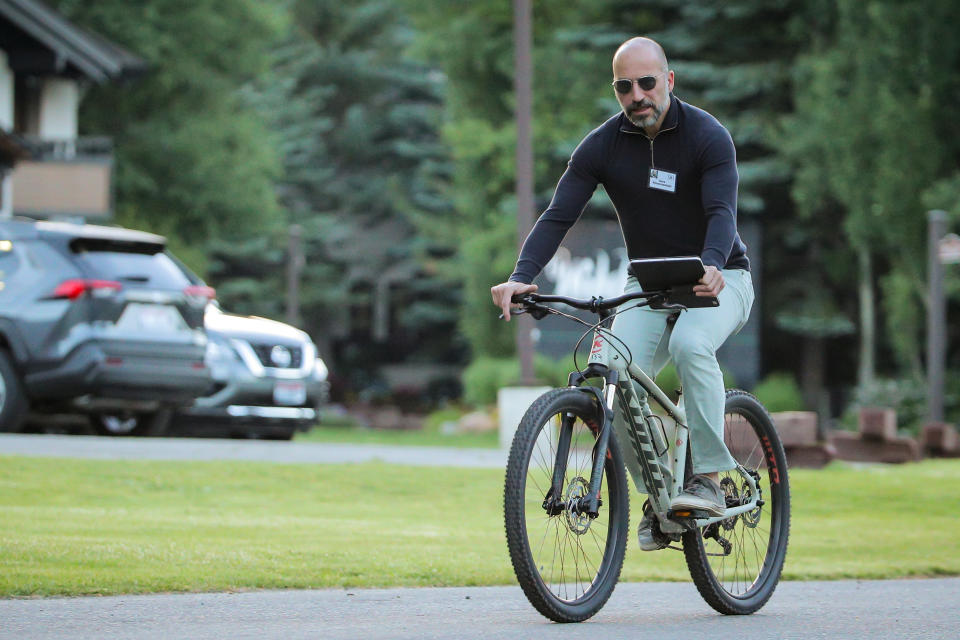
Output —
(280, 356)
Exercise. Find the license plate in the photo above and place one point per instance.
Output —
(152, 318)
(289, 393)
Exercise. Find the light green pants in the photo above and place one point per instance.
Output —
(692, 344)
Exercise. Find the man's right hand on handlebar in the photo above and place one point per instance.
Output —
(504, 292)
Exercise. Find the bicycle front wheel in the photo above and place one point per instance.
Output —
(566, 562)
(736, 563)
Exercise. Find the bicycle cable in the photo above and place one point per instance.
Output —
(628, 357)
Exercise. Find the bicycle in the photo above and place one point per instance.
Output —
(567, 528)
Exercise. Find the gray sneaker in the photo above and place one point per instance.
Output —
(645, 531)
(702, 494)
(649, 535)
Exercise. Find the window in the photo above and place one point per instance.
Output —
(129, 263)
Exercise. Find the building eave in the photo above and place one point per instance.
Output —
(92, 55)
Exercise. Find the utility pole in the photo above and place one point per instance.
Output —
(937, 316)
(522, 82)
(295, 264)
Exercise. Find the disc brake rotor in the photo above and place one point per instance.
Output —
(578, 523)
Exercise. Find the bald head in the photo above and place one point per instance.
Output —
(640, 51)
(643, 82)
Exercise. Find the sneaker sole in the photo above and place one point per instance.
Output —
(696, 510)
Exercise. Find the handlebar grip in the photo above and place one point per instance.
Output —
(521, 298)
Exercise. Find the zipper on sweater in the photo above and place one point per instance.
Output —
(644, 134)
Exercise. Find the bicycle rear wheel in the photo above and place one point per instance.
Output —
(567, 563)
(736, 563)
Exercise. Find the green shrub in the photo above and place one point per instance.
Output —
(553, 373)
(908, 396)
(485, 375)
(433, 422)
(779, 392)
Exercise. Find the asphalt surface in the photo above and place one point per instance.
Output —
(65, 446)
(878, 610)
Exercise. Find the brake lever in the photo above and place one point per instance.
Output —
(538, 312)
(518, 312)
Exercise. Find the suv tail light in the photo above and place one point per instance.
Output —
(200, 291)
(76, 287)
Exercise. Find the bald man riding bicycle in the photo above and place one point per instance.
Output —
(670, 171)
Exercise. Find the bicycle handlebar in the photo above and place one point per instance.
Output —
(593, 304)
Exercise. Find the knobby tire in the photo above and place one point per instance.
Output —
(740, 582)
(567, 566)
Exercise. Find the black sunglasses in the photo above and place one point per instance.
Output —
(625, 85)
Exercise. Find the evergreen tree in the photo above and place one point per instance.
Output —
(473, 42)
(866, 140)
(364, 170)
(193, 159)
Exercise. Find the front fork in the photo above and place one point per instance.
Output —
(590, 503)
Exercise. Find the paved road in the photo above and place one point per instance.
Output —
(222, 449)
(878, 610)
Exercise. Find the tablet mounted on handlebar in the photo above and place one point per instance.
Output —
(677, 277)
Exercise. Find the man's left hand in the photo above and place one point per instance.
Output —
(711, 284)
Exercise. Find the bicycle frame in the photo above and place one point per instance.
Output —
(606, 362)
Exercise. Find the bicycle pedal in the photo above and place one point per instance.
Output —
(683, 516)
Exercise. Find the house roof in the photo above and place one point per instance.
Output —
(88, 53)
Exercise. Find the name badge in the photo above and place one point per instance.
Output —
(663, 180)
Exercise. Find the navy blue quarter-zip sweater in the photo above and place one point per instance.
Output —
(698, 218)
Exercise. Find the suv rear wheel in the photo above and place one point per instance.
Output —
(13, 402)
(131, 423)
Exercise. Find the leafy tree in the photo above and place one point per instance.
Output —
(193, 159)
(473, 43)
(866, 140)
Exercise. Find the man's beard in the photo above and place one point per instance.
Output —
(647, 121)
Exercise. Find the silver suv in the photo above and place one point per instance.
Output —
(268, 380)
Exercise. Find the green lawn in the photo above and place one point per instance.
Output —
(97, 527)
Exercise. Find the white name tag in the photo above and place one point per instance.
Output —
(663, 180)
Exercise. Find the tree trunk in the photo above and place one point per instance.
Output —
(866, 372)
(813, 361)
(811, 376)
